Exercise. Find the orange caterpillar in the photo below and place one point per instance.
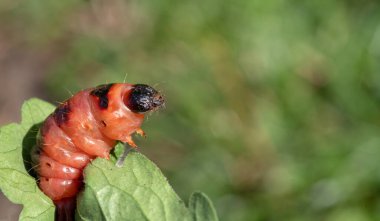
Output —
(87, 126)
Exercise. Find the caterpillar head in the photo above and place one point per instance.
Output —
(143, 98)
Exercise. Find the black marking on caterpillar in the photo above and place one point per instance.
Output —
(102, 93)
(61, 113)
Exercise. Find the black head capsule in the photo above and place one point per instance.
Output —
(143, 98)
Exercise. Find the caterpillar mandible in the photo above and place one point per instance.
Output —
(84, 127)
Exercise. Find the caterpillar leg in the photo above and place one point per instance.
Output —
(130, 142)
(141, 132)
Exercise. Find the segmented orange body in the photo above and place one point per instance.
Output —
(87, 126)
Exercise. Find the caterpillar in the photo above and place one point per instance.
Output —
(86, 126)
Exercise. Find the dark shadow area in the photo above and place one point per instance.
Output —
(29, 141)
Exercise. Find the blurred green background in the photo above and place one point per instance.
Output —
(273, 107)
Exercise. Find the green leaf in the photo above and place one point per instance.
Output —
(202, 208)
(137, 191)
(16, 140)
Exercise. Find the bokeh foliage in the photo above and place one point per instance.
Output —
(272, 106)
